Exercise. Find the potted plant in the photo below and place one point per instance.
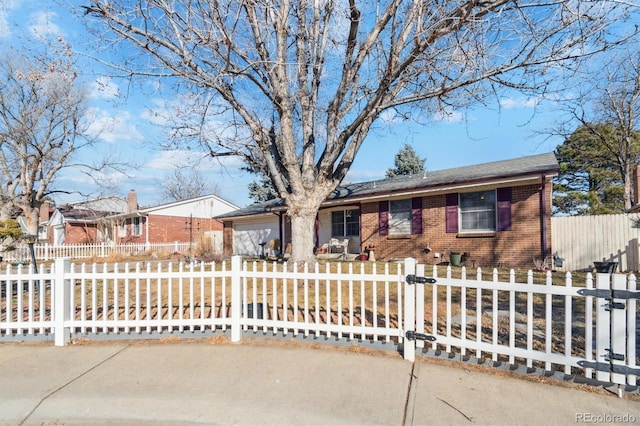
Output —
(368, 250)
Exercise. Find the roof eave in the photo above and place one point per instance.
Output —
(521, 179)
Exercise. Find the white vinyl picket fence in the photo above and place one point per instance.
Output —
(46, 252)
(586, 329)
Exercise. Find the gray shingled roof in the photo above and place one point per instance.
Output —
(535, 164)
(76, 214)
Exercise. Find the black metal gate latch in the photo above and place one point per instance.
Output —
(413, 279)
(614, 356)
(614, 305)
(412, 335)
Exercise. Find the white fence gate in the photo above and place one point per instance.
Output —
(546, 325)
(587, 329)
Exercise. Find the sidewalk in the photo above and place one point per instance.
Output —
(273, 384)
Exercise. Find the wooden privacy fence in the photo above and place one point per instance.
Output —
(587, 328)
(582, 240)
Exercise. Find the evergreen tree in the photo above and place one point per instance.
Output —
(262, 191)
(590, 179)
(406, 162)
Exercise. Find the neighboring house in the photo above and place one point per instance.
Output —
(125, 222)
(82, 222)
(496, 214)
(68, 225)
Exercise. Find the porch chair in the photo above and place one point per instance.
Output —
(344, 244)
(273, 247)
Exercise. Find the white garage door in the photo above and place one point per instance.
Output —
(249, 236)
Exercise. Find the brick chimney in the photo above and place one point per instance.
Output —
(132, 201)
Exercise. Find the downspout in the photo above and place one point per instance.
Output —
(146, 225)
(317, 232)
(360, 228)
(543, 215)
(281, 232)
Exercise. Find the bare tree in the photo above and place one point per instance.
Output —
(185, 183)
(302, 82)
(607, 111)
(41, 128)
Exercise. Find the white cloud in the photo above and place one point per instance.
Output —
(5, 32)
(390, 116)
(363, 175)
(103, 88)
(6, 9)
(113, 128)
(512, 103)
(159, 113)
(449, 115)
(42, 26)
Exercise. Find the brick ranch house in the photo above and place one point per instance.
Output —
(116, 220)
(492, 214)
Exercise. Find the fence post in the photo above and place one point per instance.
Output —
(419, 304)
(61, 301)
(603, 330)
(236, 298)
(409, 346)
(618, 331)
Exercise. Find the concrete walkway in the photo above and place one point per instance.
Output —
(214, 382)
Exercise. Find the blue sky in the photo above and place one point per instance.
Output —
(123, 119)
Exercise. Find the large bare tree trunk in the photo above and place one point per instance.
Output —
(303, 212)
(33, 220)
(629, 190)
(302, 235)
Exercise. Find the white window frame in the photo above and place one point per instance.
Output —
(136, 226)
(400, 217)
(477, 211)
(344, 222)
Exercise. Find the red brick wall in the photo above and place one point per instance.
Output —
(514, 248)
(78, 234)
(167, 229)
